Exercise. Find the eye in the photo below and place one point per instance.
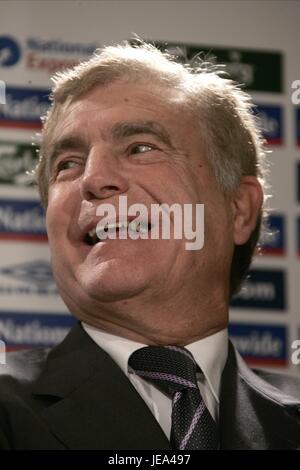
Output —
(141, 148)
(66, 165)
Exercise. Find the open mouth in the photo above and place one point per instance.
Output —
(111, 230)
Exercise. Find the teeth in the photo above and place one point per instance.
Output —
(135, 226)
(99, 230)
(144, 227)
(107, 227)
(141, 227)
(92, 232)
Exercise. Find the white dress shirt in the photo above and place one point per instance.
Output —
(209, 353)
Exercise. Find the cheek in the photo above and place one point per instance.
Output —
(63, 198)
(60, 211)
(53, 226)
(218, 232)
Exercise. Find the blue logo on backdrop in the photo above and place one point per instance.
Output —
(24, 107)
(260, 344)
(264, 289)
(10, 51)
(56, 46)
(30, 278)
(26, 330)
(36, 272)
(270, 118)
(297, 111)
(22, 220)
(273, 242)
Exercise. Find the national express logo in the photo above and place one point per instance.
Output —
(10, 51)
(46, 55)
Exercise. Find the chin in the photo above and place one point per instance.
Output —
(112, 287)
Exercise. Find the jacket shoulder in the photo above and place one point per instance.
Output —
(286, 384)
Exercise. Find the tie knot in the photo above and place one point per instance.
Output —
(171, 368)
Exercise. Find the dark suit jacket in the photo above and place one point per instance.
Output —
(76, 397)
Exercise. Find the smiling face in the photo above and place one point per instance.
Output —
(133, 140)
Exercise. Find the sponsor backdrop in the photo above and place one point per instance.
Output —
(258, 44)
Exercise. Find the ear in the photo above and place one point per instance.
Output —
(246, 204)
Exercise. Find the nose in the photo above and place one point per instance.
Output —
(103, 176)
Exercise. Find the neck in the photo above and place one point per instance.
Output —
(158, 321)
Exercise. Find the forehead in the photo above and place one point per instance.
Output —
(104, 105)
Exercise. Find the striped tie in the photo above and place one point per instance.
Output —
(172, 369)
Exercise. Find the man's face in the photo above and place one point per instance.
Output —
(137, 141)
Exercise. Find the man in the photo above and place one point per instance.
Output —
(149, 365)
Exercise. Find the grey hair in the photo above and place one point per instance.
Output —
(227, 126)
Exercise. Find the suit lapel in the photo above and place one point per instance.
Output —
(94, 405)
(253, 414)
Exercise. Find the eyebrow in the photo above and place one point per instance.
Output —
(66, 143)
(118, 131)
(122, 130)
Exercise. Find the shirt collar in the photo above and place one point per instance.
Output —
(210, 353)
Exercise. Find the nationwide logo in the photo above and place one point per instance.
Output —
(22, 220)
(30, 278)
(24, 107)
(273, 240)
(10, 51)
(264, 289)
(20, 330)
(17, 160)
(297, 111)
(260, 344)
(270, 118)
